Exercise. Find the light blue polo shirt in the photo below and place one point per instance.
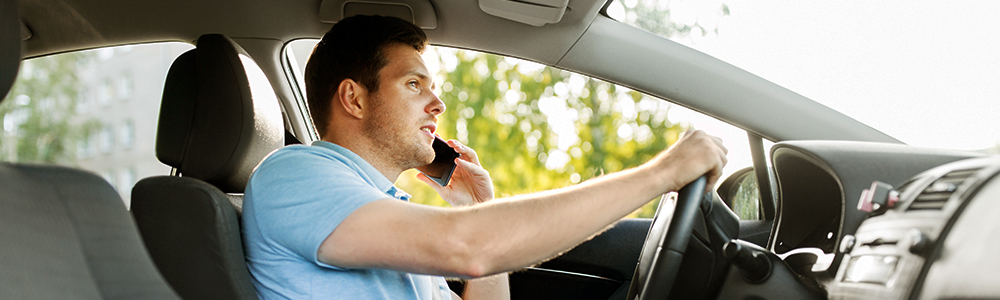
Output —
(293, 201)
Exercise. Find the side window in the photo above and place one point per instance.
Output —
(537, 128)
(94, 109)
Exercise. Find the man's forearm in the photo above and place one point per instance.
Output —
(508, 234)
(494, 237)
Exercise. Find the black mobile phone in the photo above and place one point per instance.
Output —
(443, 165)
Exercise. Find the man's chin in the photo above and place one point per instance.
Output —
(428, 158)
(423, 159)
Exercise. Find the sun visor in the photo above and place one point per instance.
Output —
(531, 12)
(420, 12)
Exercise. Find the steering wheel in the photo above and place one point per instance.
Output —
(665, 244)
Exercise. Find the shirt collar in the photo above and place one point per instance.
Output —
(382, 183)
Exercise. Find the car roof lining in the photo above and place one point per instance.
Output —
(68, 25)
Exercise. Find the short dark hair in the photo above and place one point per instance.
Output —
(354, 48)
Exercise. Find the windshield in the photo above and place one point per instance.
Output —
(925, 73)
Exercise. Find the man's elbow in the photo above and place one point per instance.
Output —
(472, 268)
(467, 255)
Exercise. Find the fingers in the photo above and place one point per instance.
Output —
(715, 174)
(717, 156)
(474, 180)
(718, 142)
(474, 168)
(700, 154)
(468, 154)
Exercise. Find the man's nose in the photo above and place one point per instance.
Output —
(437, 106)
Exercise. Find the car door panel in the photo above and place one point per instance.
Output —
(600, 268)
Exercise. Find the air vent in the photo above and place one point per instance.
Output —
(936, 195)
(902, 188)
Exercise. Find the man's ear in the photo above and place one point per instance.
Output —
(352, 97)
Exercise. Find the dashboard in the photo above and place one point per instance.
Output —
(880, 221)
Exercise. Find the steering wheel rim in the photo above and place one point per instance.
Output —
(663, 251)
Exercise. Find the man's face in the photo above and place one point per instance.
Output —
(404, 110)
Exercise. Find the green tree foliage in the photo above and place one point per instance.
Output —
(38, 112)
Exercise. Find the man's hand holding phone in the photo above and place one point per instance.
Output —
(470, 183)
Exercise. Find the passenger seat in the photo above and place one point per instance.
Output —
(65, 233)
(219, 118)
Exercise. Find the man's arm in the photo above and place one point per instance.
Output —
(509, 234)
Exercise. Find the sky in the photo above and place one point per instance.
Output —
(926, 73)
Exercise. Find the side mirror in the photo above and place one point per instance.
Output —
(740, 192)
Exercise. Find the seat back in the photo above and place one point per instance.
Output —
(218, 119)
(192, 232)
(65, 233)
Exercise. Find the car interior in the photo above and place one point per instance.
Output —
(845, 211)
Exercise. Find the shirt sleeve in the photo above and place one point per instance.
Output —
(300, 197)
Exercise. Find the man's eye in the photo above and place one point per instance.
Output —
(412, 84)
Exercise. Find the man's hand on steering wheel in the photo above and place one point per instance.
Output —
(696, 153)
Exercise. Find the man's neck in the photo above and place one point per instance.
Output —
(370, 153)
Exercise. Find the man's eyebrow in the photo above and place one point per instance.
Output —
(422, 75)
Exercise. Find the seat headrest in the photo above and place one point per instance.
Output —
(219, 116)
(10, 45)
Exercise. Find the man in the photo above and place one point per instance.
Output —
(325, 222)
